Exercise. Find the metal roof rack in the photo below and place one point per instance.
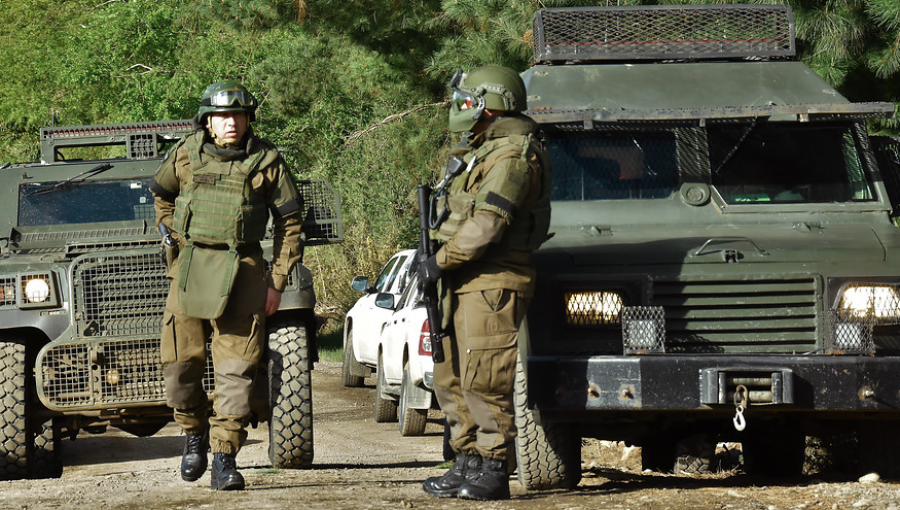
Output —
(663, 32)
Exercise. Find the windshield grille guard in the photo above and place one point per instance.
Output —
(800, 113)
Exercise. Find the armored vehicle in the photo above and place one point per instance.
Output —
(724, 265)
(82, 291)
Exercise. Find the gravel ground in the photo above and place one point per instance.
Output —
(360, 464)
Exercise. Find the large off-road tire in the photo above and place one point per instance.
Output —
(412, 421)
(879, 448)
(658, 454)
(776, 453)
(548, 454)
(45, 461)
(695, 454)
(23, 454)
(351, 368)
(385, 406)
(290, 398)
(13, 429)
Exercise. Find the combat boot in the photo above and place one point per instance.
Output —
(193, 458)
(489, 484)
(225, 476)
(447, 485)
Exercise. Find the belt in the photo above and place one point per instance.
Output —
(244, 250)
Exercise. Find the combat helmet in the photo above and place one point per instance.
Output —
(488, 87)
(227, 96)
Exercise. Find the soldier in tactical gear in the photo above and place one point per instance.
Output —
(499, 212)
(215, 192)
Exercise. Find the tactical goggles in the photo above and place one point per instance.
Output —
(463, 100)
(229, 98)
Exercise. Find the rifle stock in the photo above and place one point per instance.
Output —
(429, 292)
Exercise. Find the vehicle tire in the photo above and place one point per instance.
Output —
(385, 407)
(658, 455)
(290, 398)
(412, 421)
(549, 454)
(351, 367)
(46, 462)
(779, 453)
(13, 429)
(694, 454)
(23, 454)
(878, 448)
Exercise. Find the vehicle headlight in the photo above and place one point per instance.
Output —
(880, 301)
(597, 308)
(37, 290)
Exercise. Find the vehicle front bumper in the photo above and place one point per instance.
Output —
(695, 382)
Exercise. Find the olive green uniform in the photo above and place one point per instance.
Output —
(199, 178)
(499, 213)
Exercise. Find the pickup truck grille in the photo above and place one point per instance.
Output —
(119, 294)
(99, 374)
(733, 315)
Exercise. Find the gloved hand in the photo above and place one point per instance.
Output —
(429, 271)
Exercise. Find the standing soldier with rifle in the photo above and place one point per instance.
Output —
(496, 212)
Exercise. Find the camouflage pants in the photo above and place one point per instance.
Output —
(474, 385)
(237, 348)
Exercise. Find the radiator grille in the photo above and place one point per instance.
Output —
(99, 374)
(119, 294)
(733, 315)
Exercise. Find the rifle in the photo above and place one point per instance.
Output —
(427, 249)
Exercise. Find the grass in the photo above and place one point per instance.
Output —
(331, 343)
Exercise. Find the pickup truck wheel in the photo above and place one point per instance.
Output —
(548, 454)
(290, 398)
(385, 407)
(412, 421)
(351, 368)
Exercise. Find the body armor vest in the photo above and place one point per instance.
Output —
(219, 205)
(532, 220)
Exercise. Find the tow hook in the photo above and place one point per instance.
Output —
(740, 403)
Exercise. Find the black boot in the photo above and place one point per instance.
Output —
(489, 484)
(447, 485)
(225, 476)
(193, 459)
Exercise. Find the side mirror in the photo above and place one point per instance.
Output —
(360, 284)
(384, 300)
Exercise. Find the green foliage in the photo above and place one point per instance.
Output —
(247, 14)
(349, 89)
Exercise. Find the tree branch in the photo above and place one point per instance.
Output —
(392, 118)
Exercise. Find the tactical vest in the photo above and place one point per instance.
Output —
(529, 228)
(219, 205)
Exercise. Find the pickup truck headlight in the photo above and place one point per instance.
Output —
(595, 308)
(880, 301)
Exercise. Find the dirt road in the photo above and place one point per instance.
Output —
(360, 464)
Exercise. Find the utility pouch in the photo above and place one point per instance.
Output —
(205, 280)
(171, 253)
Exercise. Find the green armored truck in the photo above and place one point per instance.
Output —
(723, 265)
(82, 291)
